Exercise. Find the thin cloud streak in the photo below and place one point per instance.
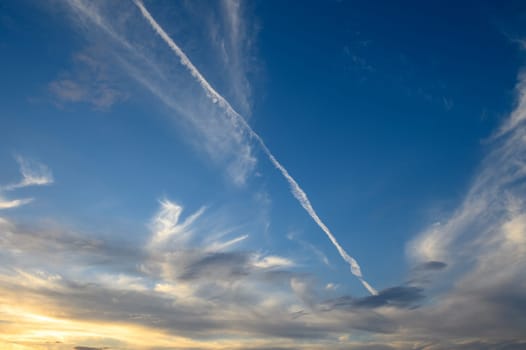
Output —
(8, 204)
(237, 120)
(321, 256)
(33, 174)
(235, 49)
(217, 246)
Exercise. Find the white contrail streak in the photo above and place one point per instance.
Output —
(237, 119)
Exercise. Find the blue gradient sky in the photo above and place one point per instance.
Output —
(403, 123)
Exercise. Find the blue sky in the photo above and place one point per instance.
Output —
(254, 175)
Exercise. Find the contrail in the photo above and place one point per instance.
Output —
(237, 119)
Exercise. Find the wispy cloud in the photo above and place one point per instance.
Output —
(218, 246)
(89, 81)
(321, 256)
(7, 204)
(33, 174)
(237, 51)
(201, 121)
(492, 198)
(483, 245)
(166, 225)
(272, 262)
(239, 121)
(518, 116)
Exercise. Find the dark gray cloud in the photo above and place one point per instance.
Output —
(218, 265)
(505, 345)
(433, 266)
(49, 245)
(475, 345)
(373, 347)
(399, 296)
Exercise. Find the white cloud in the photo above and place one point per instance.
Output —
(33, 174)
(491, 197)
(218, 246)
(14, 203)
(331, 286)
(122, 281)
(236, 51)
(271, 261)
(519, 113)
(484, 246)
(321, 256)
(166, 225)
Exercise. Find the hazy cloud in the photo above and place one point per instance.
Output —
(90, 81)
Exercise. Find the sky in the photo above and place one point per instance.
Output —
(262, 175)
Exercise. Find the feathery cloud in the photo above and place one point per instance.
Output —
(204, 125)
(13, 203)
(238, 121)
(33, 174)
